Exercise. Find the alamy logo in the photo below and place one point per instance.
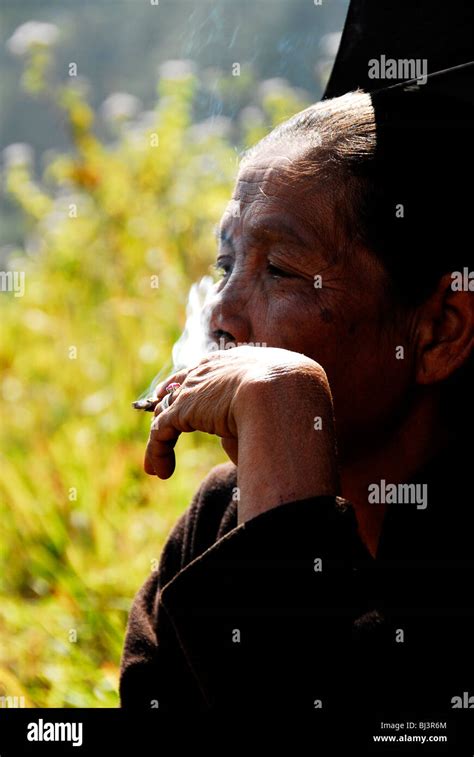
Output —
(12, 702)
(42, 731)
(465, 702)
(462, 281)
(223, 345)
(13, 281)
(399, 68)
(398, 493)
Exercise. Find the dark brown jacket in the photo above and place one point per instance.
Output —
(290, 611)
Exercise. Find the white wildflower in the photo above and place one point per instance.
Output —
(30, 35)
(18, 154)
(120, 106)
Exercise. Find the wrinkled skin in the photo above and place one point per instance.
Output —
(341, 339)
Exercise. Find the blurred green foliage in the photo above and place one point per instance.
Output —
(81, 523)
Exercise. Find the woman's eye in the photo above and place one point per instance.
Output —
(222, 269)
(279, 272)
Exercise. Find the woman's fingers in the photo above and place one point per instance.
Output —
(159, 455)
(177, 378)
(160, 459)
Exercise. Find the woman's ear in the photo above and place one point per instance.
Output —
(445, 332)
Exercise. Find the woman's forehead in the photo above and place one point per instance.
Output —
(267, 201)
(273, 164)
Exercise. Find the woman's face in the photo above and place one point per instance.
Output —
(284, 286)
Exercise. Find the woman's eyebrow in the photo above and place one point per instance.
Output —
(264, 232)
(275, 231)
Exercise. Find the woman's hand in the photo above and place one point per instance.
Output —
(262, 402)
(215, 395)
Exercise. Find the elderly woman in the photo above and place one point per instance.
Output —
(323, 566)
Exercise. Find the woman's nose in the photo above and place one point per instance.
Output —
(227, 319)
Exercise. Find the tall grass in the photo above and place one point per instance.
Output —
(81, 523)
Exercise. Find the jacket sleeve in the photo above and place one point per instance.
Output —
(153, 668)
(143, 664)
(265, 616)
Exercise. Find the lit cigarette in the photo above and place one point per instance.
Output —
(148, 404)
